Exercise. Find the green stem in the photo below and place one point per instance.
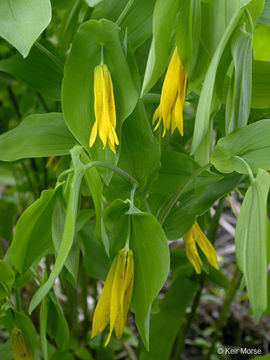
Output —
(162, 217)
(113, 168)
(42, 102)
(211, 235)
(124, 12)
(236, 279)
(50, 54)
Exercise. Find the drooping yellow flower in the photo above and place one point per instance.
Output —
(104, 108)
(170, 109)
(114, 301)
(193, 236)
(20, 347)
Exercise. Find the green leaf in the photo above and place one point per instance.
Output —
(264, 17)
(57, 325)
(95, 259)
(21, 22)
(239, 94)
(138, 22)
(139, 157)
(151, 260)
(183, 215)
(251, 240)
(38, 71)
(37, 136)
(164, 20)
(77, 91)
(250, 143)
(260, 84)
(166, 324)
(176, 169)
(151, 264)
(34, 223)
(68, 232)
(7, 278)
(13, 318)
(207, 101)
(188, 33)
(58, 222)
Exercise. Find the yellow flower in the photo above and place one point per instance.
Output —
(114, 301)
(20, 348)
(193, 236)
(170, 109)
(104, 107)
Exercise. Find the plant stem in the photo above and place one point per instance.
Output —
(180, 341)
(14, 101)
(113, 168)
(151, 98)
(50, 54)
(124, 12)
(225, 309)
(42, 102)
(174, 199)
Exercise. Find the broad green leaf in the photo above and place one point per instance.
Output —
(6, 351)
(57, 326)
(58, 222)
(250, 143)
(151, 257)
(13, 318)
(260, 84)
(138, 22)
(93, 3)
(139, 157)
(77, 91)
(183, 215)
(188, 33)
(95, 259)
(38, 135)
(264, 17)
(239, 94)
(22, 21)
(8, 213)
(7, 278)
(38, 71)
(255, 8)
(176, 169)
(151, 263)
(207, 101)
(166, 324)
(68, 232)
(164, 20)
(69, 25)
(251, 240)
(260, 38)
(32, 238)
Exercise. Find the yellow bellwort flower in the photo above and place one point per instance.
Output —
(104, 108)
(170, 109)
(20, 348)
(114, 301)
(193, 236)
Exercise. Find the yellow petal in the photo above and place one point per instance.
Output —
(177, 121)
(205, 245)
(156, 115)
(127, 293)
(191, 251)
(116, 307)
(102, 312)
(170, 85)
(93, 134)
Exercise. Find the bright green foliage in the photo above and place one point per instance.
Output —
(67, 207)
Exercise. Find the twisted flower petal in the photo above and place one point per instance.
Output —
(104, 107)
(114, 301)
(193, 236)
(170, 109)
